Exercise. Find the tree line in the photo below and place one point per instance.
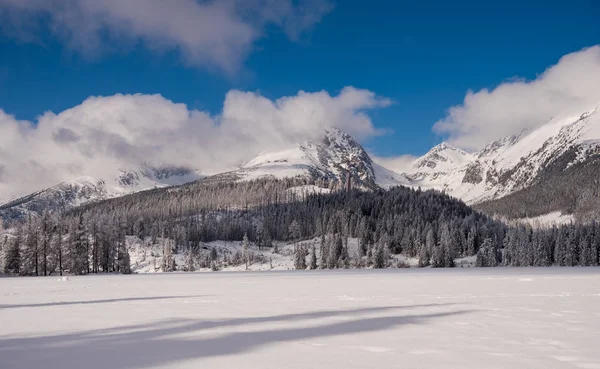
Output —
(427, 225)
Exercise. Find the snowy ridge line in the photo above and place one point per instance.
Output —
(509, 164)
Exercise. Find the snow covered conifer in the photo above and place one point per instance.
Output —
(245, 246)
(324, 250)
(379, 258)
(571, 249)
(294, 231)
(486, 256)
(168, 261)
(79, 257)
(313, 258)
(12, 254)
(471, 241)
(213, 254)
(190, 259)
(123, 261)
(423, 256)
(299, 258)
(560, 248)
(260, 235)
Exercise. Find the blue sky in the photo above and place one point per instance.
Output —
(424, 55)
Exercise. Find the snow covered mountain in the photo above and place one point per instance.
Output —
(87, 189)
(524, 169)
(513, 163)
(325, 162)
(329, 160)
(433, 167)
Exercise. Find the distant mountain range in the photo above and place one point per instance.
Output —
(509, 164)
(86, 189)
(554, 167)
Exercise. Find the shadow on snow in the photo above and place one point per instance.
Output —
(91, 302)
(157, 343)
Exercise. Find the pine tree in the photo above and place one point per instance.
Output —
(80, 253)
(190, 259)
(245, 246)
(123, 261)
(313, 258)
(299, 257)
(324, 250)
(59, 247)
(259, 235)
(379, 258)
(294, 231)
(168, 261)
(424, 259)
(560, 248)
(430, 241)
(585, 249)
(213, 254)
(441, 255)
(30, 256)
(12, 256)
(571, 249)
(472, 241)
(486, 256)
(344, 259)
(44, 236)
(335, 251)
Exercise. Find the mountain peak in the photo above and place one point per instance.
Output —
(442, 146)
(328, 160)
(337, 136)
(441, 158)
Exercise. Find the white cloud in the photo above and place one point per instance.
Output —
(398, 164)
(217, 33)
(569, 86)
(104, 134)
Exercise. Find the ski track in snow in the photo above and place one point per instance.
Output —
(402, 318)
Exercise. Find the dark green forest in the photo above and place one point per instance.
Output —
(427, 225)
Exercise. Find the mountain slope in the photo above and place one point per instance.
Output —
(87, 189)
(565, 144)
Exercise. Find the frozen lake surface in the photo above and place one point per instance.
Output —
(418, 318)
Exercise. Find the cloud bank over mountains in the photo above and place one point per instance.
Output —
(216, 34)
(104, 134)
(570, 86)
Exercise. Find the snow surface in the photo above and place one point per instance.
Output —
(387, 179)
(548, 220)
(294, 162)
(307, 190)
(404, 318)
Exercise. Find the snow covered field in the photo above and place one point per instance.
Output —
(397, 318)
